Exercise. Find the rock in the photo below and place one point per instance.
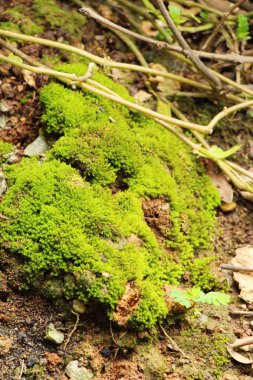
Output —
(38, 146)
(3, 184)
(2, 122)
(13, 159)
(5, 345)
(77, 373)
(3, 108)
(54, 335)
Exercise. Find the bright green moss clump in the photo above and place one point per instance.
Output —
(5, 148)
(90, 229)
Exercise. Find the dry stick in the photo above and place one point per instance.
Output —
(211, 38)
(236, 268)
(88, 87)
(127, 66)
(102, 61)
(242, 342)
(165, 45)
(228, 111)
(174, 344)
(187, 51)
(232, 174)
(240, 312)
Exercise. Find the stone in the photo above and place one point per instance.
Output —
(37, 147)
(54, 335)
(77, 373)
(3, 183)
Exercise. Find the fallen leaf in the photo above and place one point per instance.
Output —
(221, 183)
(142, 96)
(238, 357)
(30, 78)
(244, 257)
(148, 29)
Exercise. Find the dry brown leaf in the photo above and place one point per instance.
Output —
(148, 29)
(142, 96)
(244, 258)
(127, 304)
(238, 357)
(225, 189)
(30, 78)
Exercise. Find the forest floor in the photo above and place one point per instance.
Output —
(190, 350)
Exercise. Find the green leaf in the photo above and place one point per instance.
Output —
(164, 107)
(242, 30)
(220, 154)
(15, 58)
(214, 298)
(175, 14)
(180, 297)
(194, 293)
(204, 15)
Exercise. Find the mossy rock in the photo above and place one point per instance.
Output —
(82, 213)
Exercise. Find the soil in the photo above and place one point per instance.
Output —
(179, 351)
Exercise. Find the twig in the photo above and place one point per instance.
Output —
(236, 268)
(21, 369)
(88, 87)
(228, 111)
(74, 328)
(187, 51)
(242, 342)
(174, 344)
(240, 312)
(165, 45)
(211, 38)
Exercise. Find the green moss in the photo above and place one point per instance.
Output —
(52, 15)
(5, 148)
(153, 362)
(19, 22)
(74, 227)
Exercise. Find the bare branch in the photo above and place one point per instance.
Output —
(187, 51)
(211, 38)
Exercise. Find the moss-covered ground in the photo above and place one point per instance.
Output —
(81, 210)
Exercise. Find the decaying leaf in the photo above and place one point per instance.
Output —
(244, 258)
(223, 186)
(30, 78)
(142, 96)
(127, 304)
(238, 357)
(148, 29)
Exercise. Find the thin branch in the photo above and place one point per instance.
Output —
(88, 87)
(228, 111)
(187, 51)
(242, 342)
(103, 61)
(211, 38)
(165, 45)
(236, 268)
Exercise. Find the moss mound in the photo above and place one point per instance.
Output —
(128, 225)
(46, 14)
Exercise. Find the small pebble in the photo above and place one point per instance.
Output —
(2, 122)
(37, 147)
(106, 352)
(54, 335)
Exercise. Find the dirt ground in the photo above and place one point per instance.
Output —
(185, 350)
